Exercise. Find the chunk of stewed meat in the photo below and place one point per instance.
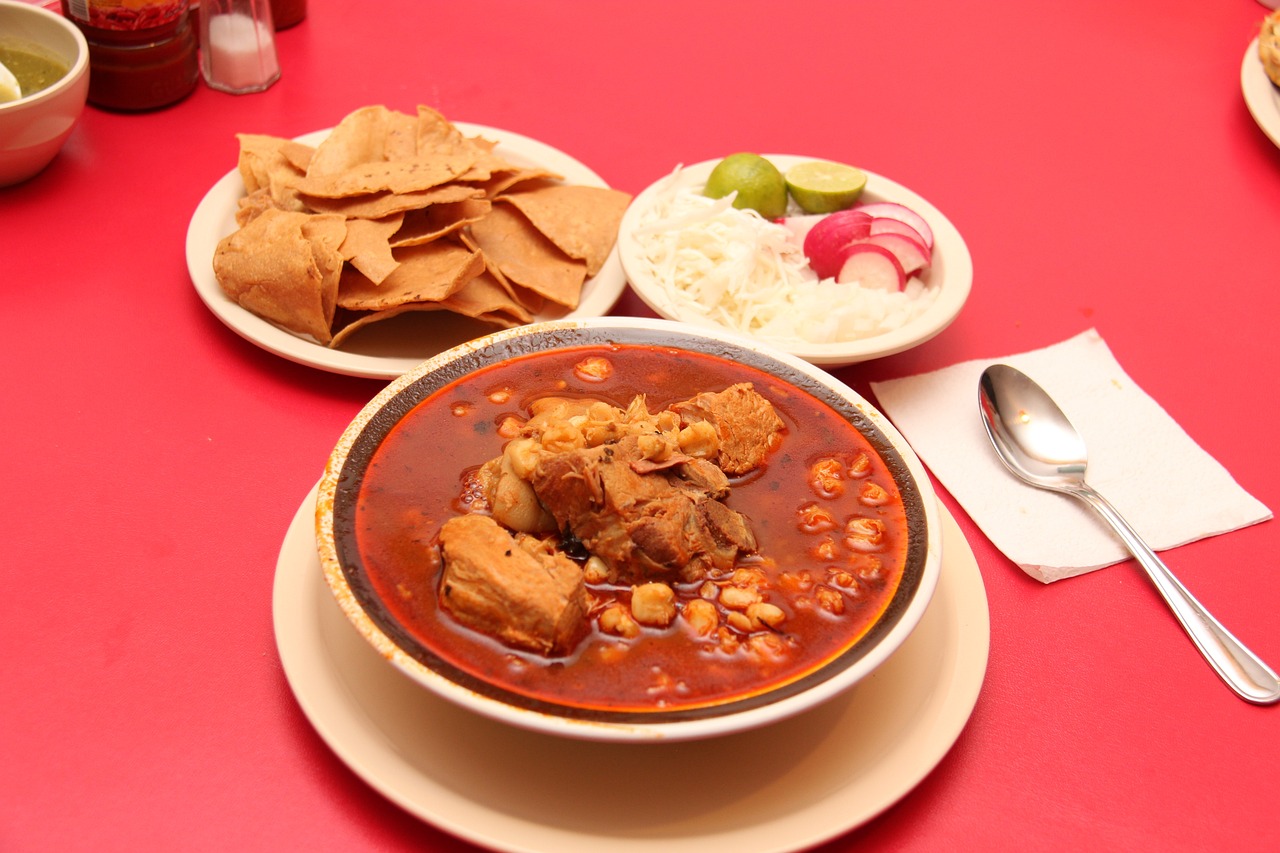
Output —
(644, 523)
(745, 422)
(516, 589)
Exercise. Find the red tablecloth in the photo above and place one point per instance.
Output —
(1100, 162)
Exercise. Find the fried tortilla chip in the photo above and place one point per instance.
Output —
(436, 135)
(427, 273)
(372, 134)
(527, 258)
(284, 266)
(271, 163)
(297, 154)
(375, 149)
(480, 299)
(397, 176)
(503, 181)
(347, 323)
(528, 301)
(256, 151)
(582, 221)
(429, 223)
(251, 206)
(368, 246)
(483, 297)
(379, 205)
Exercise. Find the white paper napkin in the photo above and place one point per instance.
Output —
(1165, 485)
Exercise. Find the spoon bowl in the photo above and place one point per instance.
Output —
(1039, 445)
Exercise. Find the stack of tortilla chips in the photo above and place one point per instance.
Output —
(395, 213)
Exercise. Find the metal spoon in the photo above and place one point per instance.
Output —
(1037, 443)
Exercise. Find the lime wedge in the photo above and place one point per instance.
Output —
(758, 184)
(9, 88)
(822, 187)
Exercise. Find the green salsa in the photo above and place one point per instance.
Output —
(35, 69)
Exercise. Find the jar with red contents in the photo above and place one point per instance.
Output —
(286, 13)
(142, 53)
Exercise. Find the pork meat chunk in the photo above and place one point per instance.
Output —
(645, 523)
(745, 422)
(516, 589)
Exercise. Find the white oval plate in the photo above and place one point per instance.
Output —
(952, 270)
(819, 775)
(1261, 96)
(391, 347)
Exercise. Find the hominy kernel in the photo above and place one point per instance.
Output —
(701, 616)
(616, 620)
(510, 427)
(864, 534)
(653, 604)
(873, 494)
(860, 467)
(764, 614)
(825, 477)
(739, 598)
(594, 369)
(830, 600)
(813, 518)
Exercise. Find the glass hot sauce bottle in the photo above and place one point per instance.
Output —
(142, 53)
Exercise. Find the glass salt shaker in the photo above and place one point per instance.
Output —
(237, 45)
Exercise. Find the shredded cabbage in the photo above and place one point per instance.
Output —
(719, 265)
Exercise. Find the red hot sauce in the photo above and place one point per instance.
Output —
(142, 53)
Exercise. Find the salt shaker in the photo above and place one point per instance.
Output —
(237, 45)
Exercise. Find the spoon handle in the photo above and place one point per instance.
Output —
(1240, 668)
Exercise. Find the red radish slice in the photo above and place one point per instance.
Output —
(871, 266)
(885, 225)
(825, 240)
(913, 256)
(893, 210)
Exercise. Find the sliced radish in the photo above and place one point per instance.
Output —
(893, 210)
(913, 256)
(823, 243)
(871, 266)
(885, 225)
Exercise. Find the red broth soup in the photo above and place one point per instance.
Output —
(829, 508)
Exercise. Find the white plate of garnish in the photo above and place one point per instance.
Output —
(701, 261)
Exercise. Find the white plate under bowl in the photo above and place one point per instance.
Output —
(808, 779)
(389, 348)
(1261, 96)
(951, 272)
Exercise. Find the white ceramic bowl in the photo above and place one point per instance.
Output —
(951, 273)
(34, 128)
(355, 586)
